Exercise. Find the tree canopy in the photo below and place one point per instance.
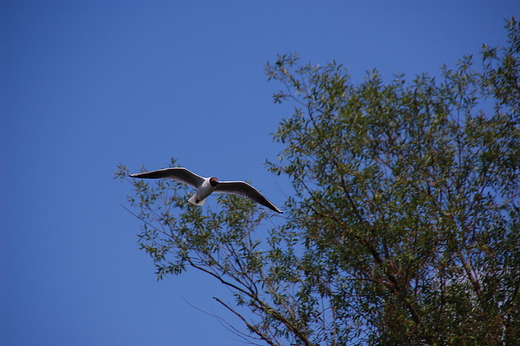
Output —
(404, 223)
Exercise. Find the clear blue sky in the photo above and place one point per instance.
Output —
(86, 85)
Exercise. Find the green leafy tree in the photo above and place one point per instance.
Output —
(404, 224)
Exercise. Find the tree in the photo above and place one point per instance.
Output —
(404, 225)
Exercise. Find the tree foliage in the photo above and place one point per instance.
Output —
(404, 224)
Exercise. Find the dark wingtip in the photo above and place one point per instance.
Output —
(275, 208)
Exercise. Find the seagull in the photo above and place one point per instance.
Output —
(205, 186)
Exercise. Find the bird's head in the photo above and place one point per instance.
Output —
(213, 181)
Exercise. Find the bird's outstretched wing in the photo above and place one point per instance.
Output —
(242, 188)
(177, 173)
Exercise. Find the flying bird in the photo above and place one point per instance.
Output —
(205, 186)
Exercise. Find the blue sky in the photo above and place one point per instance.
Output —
(87, 85)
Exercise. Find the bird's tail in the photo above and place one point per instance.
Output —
(193, 200)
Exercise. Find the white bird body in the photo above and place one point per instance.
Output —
(206, 186)
(203, 191)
